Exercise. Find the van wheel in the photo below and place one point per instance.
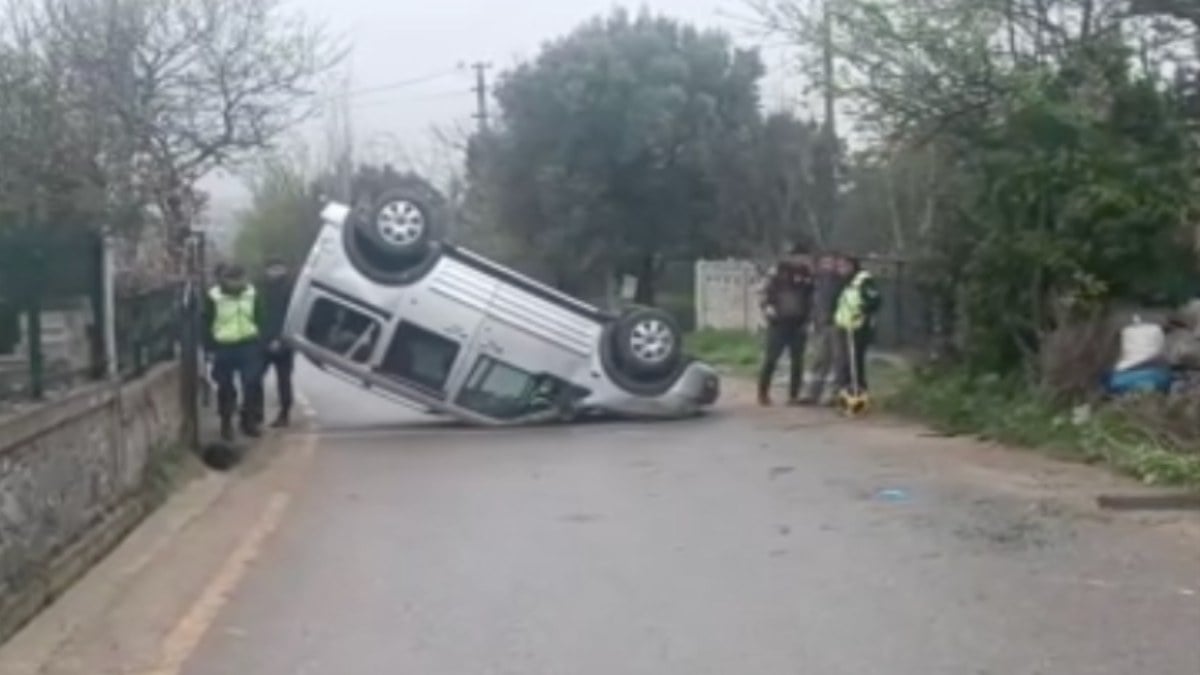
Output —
(649, 343)
(393, 240)
(399, 226)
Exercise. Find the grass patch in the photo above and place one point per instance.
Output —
(1007, 411)
(741, 353)
(171, 467)
(735, 351)
(886, 376)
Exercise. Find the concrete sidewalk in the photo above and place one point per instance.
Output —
(117, 610)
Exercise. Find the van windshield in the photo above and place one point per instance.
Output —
(501, 391)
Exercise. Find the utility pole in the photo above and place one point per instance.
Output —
(481, 93)
(827, 68)
(828, 219)
(339, 148)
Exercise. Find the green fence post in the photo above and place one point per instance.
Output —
(37, 367)
(96, 297)
(901, 332)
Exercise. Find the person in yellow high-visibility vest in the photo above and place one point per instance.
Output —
(232, 316)
(855, 320)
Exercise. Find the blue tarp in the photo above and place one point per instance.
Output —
(1147, 379)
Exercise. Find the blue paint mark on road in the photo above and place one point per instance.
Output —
(893, 496)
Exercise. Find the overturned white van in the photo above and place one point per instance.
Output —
(382, 301)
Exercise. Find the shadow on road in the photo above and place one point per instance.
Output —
(459, 427)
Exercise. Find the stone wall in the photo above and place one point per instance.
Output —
(73, 473)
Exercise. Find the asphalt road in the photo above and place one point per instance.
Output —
(744, 543)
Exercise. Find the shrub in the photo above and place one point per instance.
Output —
(1152, 438)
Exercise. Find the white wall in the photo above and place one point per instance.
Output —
(727, 295)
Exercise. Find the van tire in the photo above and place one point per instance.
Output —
(393, 239)
(649, 343)
(400, 225)
(382, 269)
(624, 377)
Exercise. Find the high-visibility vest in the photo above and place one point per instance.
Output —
(850, 314)
(233, 316)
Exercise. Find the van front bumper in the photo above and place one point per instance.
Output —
(711, 390)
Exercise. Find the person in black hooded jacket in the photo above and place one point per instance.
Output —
(786, 305)
(276, 288)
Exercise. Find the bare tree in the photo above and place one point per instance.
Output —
(181, 87)
(47, 173)
(339, 148)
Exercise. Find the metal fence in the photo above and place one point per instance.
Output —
(50, 308)
(727, 292)
(905, 320)
(148, 325)
(53, 318)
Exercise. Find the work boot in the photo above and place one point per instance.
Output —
(282, 420)
(764, 397)
(250, 429)
(227, 430)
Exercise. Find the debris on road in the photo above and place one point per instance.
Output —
(1179, 502)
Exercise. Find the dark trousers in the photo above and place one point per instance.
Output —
(852, 358)
(242, 362)
(820, 378)
(283, 360)
(789, 336)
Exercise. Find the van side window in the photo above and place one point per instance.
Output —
(503, 392)
(342, 330)
(420, 357)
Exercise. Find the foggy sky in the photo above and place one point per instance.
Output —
(397, 40)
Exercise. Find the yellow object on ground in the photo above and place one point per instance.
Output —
(854, 404)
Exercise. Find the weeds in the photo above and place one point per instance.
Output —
(736, 351)
(170, 467)
(1007, 411)
(741, 353)
(1137, 436)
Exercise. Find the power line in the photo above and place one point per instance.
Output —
(396, 85)
(412, 99)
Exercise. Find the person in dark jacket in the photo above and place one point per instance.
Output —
(276, 287)
(786, 304)
(232, 314)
